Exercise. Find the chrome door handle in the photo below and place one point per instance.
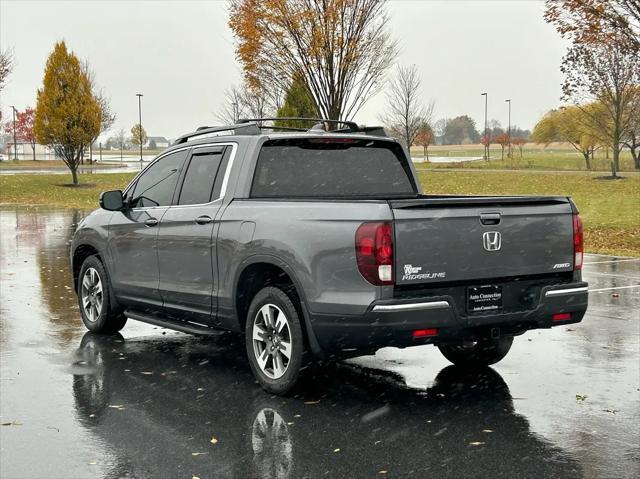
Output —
(204, 220)
(151, 222)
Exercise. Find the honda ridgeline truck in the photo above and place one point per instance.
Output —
(321, 244)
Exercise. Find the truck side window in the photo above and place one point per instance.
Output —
(156, 185)
(199, 179)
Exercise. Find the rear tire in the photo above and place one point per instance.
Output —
(477, 354)
(94, 300)
(274, 340)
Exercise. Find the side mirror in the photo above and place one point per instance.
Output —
(111, 200)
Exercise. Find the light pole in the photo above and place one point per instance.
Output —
(509, 127)
(486, 137)
(139, 95)
(15, 144)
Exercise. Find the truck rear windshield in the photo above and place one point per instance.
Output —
(332, 168)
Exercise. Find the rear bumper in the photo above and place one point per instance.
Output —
(392, 322)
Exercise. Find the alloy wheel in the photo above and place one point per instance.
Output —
(92, 294)
(272, 341)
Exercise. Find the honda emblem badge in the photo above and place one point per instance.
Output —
(492, 240)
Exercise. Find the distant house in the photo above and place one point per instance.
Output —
(25, 151)
(155, 142)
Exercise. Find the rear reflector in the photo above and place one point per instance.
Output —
(561, 316)
(425, 333)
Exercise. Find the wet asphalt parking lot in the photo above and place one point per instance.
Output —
(153, 403)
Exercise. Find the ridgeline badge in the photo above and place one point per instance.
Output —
(412, 273)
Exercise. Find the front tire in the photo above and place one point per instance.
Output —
(98, 314)
(477, 354)
(274, 340)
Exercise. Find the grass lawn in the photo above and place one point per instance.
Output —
(48, 164)
(53, 190)
(610, 209)
(534, 157)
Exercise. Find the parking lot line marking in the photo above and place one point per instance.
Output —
(617, 287)
(615, 275)
(612, 261)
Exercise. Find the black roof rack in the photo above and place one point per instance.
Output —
(252, 126)
(349, 126)
(246, 128)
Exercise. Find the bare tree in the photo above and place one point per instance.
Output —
(244, 102)
(230, 108)
(607, 73)
(340, 48)
(7, 62)
(632, 137)
(120, 139)
(107, 116)
(405, 111)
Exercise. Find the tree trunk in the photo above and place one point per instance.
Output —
(503, 153)
(635, 154)
(616, 157)
(587, 159)
(74, 175)
(33, 149)
(427, 152)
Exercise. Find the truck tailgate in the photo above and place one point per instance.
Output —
(441, 239)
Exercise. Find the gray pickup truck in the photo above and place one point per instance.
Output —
(321, 244)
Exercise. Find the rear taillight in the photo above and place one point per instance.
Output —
(578, 242)
(374, 252)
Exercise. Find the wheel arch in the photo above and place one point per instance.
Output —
(258, 271)
(80, 253)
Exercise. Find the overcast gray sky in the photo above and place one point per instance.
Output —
(180, 55)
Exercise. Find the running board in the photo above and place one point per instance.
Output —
(174, 324)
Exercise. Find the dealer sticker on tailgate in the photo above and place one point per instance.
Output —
(484, 298)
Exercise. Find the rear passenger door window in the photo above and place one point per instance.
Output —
(200, 178)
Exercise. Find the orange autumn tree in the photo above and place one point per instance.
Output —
(68, 116)
(339, 48)
(24, 128)
(519, 143)
(486, 142)
(503, 141)
(596, 21)
(424, 138)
